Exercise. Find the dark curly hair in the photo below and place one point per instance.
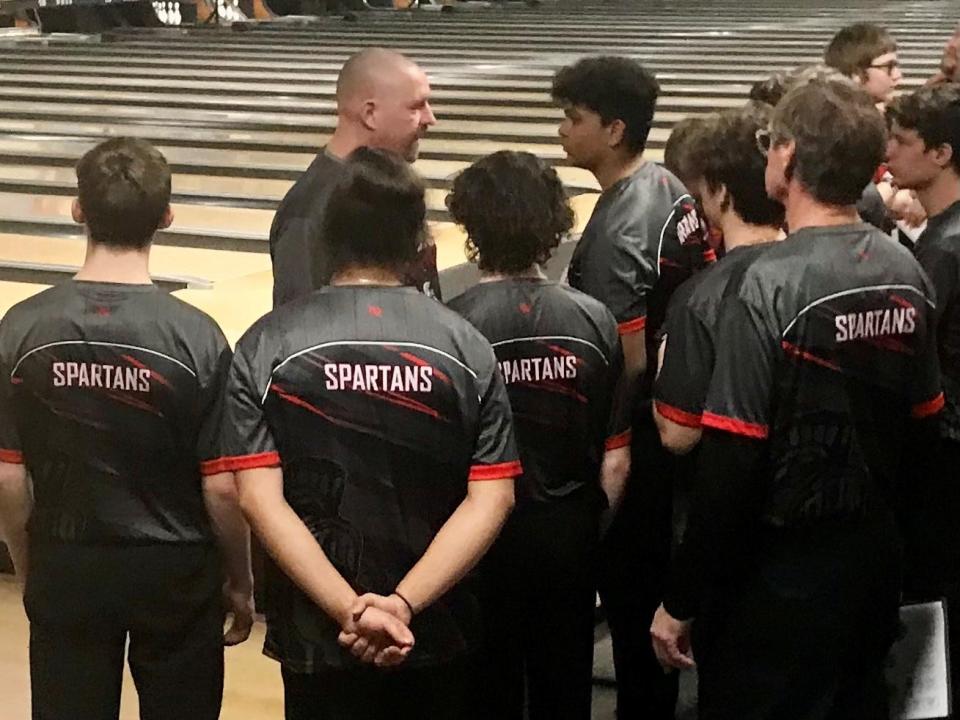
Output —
(934, 112)
(375, 217)
(733, 159)
(616, 88)
(514, 210)
(772, 89)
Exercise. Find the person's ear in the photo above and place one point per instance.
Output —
(368, 114)
(76, 212)
(943, 155)
(166, 220)
(615, 133)
(725, 200)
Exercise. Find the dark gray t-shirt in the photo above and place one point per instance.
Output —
(295, 237)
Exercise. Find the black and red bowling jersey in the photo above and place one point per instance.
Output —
(560, 357)
(690, 335)
(826, 350)
(644, 239)
(938, 251)
(380, 405)
(110, 395)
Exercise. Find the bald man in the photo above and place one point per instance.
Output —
(383, 101)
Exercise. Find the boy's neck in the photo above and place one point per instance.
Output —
(115, 265)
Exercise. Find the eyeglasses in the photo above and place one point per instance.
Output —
(764, 141)
(887, 67)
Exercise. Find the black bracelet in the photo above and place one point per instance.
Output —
(405, 602)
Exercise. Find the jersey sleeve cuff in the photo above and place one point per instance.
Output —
(928, 408)
(12, 457)
(500, 471)
(678, 416)
(620, 440)
(632, 326)
(236, 463)
(756, 431)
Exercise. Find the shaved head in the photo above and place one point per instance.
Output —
(368, 71)
(383, 101)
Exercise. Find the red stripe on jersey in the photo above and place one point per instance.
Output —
(13, 457)
(500, 471)
(928, 408)
(737, 427)
(632, 326)
(618, 441)
(808, 356)
(240, 462)
(678, 416)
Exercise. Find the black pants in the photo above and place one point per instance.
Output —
(805, 635)
(539, 585)
(634, 562)
(84, 603)
(369, 693)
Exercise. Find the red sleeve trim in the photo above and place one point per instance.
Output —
(710, 255)
(619, 440)
(737, 427)
(678, 416)
(13, 457)
(240, 462)
(928, 408)
(632, 326)
(500, 471)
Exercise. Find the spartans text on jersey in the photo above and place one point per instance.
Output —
(535, 369)
(380, 378)
(875, 323)
(99, 375)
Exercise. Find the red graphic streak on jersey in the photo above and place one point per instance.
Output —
(555, 388)
(901, 301)
(563, 351)
(300, 402)
(437, 373)
(889, 343)
(928, 408)
(403, 401)
(154, 375)
(808, 356)
(133, 402)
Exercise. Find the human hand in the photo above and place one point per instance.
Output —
(905, 206)
(377, 631)
(239, 604)
(671, 640)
